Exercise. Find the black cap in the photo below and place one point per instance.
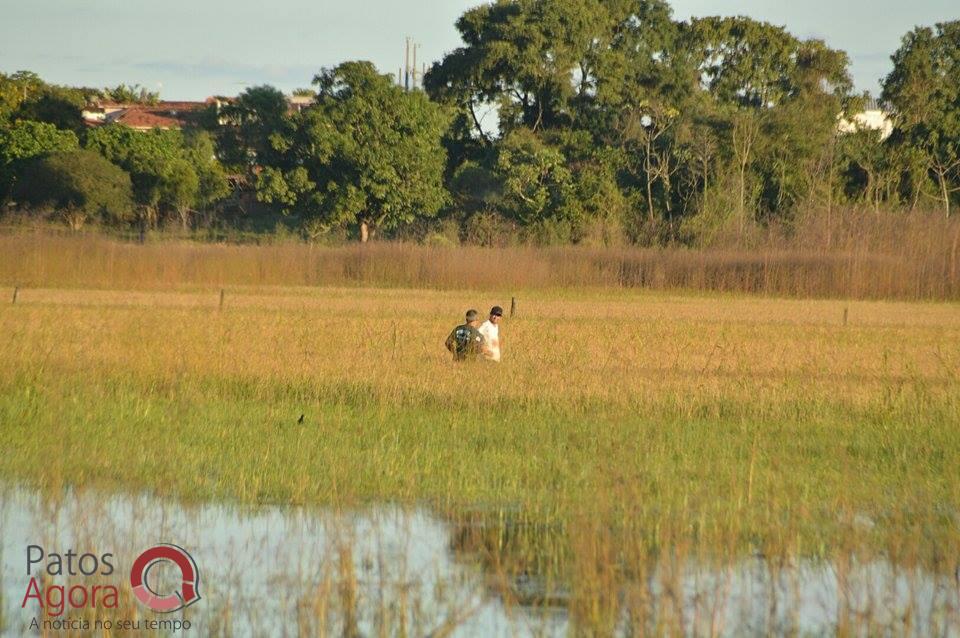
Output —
(496, 310)
(472, 315)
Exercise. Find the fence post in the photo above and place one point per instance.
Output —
(16, 290)
(846, 312)
(513, 306)
(221, 298)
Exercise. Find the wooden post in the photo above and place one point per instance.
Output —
(221, 298)
(846, 312)
(513, 306)
(16, 290)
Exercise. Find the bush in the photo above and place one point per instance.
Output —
(79, 186)
(489, 229)
(600, 232)
(549, 232)
(443, 232)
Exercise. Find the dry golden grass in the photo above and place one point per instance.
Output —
(902, 257)
(604, 347)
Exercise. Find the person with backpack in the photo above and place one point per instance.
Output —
(465, 342)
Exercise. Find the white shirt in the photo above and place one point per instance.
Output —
(491, 334)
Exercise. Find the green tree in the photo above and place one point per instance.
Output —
(647, 134)
(636, 58)
(24, 96)
(200, 150)
(169, 171)
(24, 140)
(247, 125)
(78, 186)
(16, 89)
(180, 189)
(924, 89)
(742, 61)
(536, 181)
(55, 105)
(552, 63)
(367, 154)
(132, 94)
(777, 100)
(872, 168)
(794, 159)
(146, 155)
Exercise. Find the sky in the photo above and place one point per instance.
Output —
(191, 49)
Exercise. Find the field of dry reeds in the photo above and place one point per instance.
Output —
(861, 256)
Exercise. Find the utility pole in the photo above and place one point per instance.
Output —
(408, 77)
(413, 68)
(406, 68)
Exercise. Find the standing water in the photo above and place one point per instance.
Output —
(392, 570)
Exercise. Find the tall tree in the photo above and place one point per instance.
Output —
(169, 172)
(200, 152)
(24, 140)
(60, 106)
(550, 63)
(16, 89)
(248, 123)
(924, 89)
(778, 97)
(132, 94)
(79, 186)
(536, 180)
(367, 154)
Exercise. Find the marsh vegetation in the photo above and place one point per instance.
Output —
(638, 462)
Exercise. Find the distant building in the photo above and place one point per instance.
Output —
(144, 117)
(168, 115)
(874, 117)
(299, 102)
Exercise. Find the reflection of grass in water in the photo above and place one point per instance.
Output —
(609, 581)
(636, 427)
(3, 603)
(251, 593)
(604, 582)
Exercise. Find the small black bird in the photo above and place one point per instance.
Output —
(300, 420)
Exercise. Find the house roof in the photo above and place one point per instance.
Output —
(147, 118)
(165, 115)
(162, 105)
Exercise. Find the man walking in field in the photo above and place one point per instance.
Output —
(465, 342)
(490, 329)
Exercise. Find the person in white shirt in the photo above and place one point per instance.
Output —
(490, 329)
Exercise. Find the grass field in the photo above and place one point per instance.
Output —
(716, 404)
(620, 426)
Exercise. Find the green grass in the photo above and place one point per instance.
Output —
(714, 468)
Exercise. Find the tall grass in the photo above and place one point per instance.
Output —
(629, 443)
(855, 256)
(741, 409)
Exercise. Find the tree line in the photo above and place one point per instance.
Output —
(556, 121)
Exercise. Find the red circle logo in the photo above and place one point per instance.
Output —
(190, 578)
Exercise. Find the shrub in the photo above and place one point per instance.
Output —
(79, 186)
(489, 229)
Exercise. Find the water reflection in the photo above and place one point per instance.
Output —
(391, 570)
